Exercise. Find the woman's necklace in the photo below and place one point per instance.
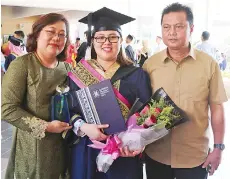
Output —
(40, 60)
(101, 67)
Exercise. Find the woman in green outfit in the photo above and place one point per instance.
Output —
(38, 150)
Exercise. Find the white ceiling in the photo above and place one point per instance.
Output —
(88, 5)
(143, 7)
(26, 8)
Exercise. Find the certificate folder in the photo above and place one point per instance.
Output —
(100, 106)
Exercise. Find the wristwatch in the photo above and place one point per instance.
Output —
(219, 146)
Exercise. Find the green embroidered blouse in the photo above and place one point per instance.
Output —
(27, 88)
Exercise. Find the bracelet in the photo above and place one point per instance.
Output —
(81, 123)
(77, 125)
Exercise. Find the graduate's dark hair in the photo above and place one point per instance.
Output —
(122, 59)
(37, 27)
(177, 7)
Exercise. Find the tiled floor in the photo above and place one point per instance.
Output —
(222, 173)
(6, 141)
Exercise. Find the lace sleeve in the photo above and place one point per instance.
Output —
(37, 126)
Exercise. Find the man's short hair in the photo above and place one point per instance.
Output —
(177, 7)
(130, 37)
(20, 33)
(205, 35)
(159, 37)
(78, 38)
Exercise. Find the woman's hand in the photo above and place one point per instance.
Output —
(125, 152)
(57, 126)
(93, 131)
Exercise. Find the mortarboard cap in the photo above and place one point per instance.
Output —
(105, 19)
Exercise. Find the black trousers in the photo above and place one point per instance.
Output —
(156, 170)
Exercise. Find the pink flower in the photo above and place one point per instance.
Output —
(145, 110)
(137, 114)
(150, 121)
(158, 110)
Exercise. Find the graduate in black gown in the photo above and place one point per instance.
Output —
(108, 62)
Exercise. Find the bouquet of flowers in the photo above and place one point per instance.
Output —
(152, 121)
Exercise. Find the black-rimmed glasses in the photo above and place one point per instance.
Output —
(111, 39)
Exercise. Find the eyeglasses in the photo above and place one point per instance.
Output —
(111, 39)
(52, 34)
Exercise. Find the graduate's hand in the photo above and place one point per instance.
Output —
(57, 126)
(93, 131)
(125, 152)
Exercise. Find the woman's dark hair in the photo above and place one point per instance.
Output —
(37, 27)
(177, 7)
(122, 59)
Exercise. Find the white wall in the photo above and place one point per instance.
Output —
(148, 16)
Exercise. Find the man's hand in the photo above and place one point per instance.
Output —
(213, 159)
(218, 127)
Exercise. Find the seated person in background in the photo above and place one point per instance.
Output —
(14, 47)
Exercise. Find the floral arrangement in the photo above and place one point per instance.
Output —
(151, 122)
(156, 114)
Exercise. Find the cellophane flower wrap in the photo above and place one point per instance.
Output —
(152, 121)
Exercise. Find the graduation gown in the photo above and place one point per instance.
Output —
(132, 86)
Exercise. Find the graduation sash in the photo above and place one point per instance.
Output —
(85, 75)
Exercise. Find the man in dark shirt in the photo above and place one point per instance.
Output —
(129, 50)
(82, 49)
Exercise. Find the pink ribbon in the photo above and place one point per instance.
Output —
(111, 147)
(132, 123)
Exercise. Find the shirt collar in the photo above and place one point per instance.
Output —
(166, 56)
